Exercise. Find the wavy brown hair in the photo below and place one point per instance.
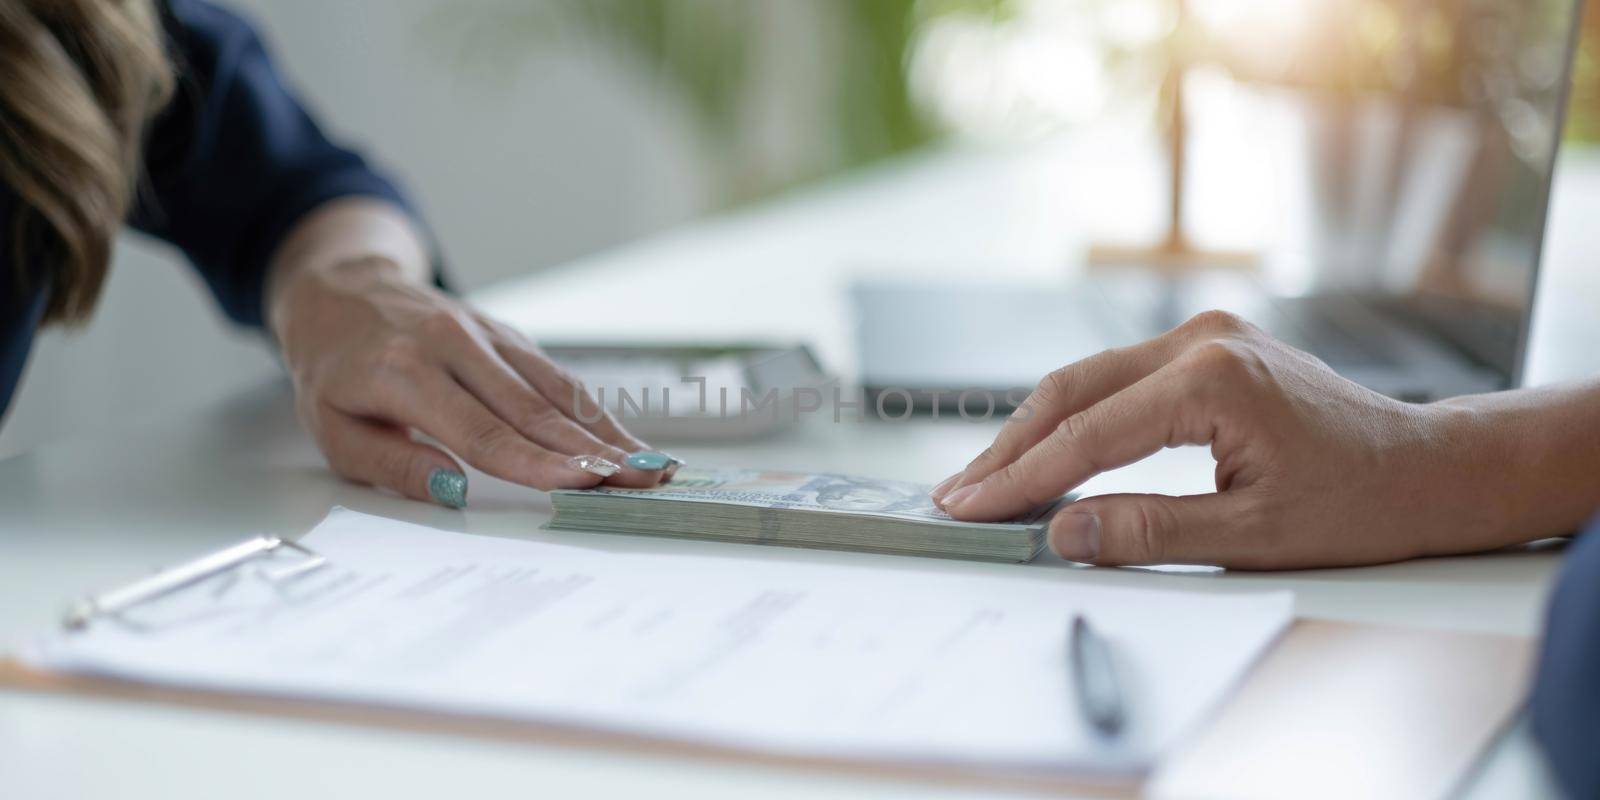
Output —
(79, 81)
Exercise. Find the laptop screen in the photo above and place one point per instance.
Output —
(1433, 191)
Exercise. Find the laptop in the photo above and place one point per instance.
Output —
(1424, 257)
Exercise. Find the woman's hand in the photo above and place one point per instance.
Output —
(1312, 469)
(377, 355)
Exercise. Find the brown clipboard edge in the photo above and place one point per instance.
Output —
(16, 675)
(19, 676)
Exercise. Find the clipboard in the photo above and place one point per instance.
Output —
(1335, 709)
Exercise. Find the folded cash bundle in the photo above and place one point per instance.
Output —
(837, 512)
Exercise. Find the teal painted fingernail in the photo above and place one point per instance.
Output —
(650, 460)
(448, 487)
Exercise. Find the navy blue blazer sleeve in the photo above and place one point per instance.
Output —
(231, 164)
(1565, 708)
(235, 161)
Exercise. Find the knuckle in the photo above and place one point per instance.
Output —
(357, 467)
(1217, 322)
(498, 329)
(1024, 484)
(401, 356)
(398, 469)
(444, 324)
(565, 380)
(569, 386)
(1073, 428)
(1230, 366)
(1054, 386)
(538, 416)
(1072, 433)
(1220, 358)
(1151, 524)
(1005, 478)
(561, 384)
(486, 439)
(519, 339)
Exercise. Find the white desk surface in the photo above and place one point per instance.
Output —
(91, 512)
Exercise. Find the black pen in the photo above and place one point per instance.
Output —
(1094, 677)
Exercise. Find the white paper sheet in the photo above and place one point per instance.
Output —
(845, 662)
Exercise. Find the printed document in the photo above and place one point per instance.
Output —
(849, 662)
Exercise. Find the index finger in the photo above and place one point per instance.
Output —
(1155, 412)
(566, 393)
(447, 411)
(1059, 395)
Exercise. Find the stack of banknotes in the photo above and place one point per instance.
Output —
(801, 510)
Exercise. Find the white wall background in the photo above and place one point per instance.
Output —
(518, 164)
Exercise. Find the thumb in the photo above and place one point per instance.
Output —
(385, 456)
(1135, 529)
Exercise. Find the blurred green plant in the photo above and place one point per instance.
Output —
(709, 54)
(706, 53)
(1583, 116)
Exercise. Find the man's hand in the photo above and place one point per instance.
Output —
(1312, 469)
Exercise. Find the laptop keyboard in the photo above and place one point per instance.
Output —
(1342, 331)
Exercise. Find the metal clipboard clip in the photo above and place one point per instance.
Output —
(170, 580)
